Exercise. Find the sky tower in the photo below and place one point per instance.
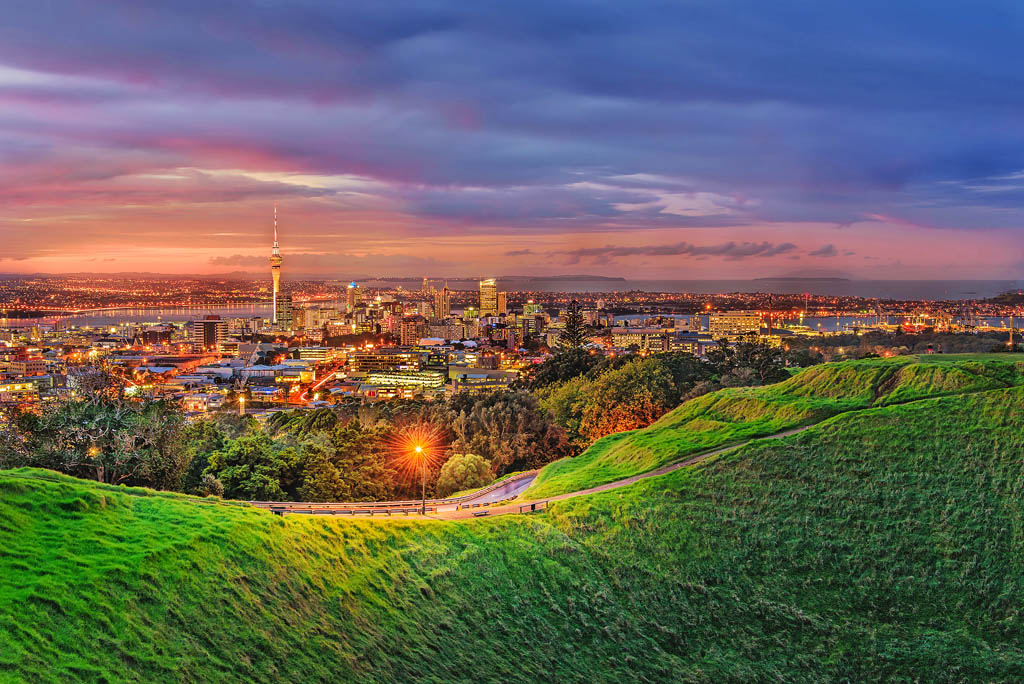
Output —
(275, 265)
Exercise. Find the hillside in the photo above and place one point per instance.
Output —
(879, 545)
(735, 415)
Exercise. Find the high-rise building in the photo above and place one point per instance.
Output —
(283, 312)
(352, 295)
(207, 333)
(488, 297)
(412, 329)
(502, 303)
(443, 303)
(275, 265)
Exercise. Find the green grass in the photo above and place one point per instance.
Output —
(732, 416)
(879, 545)
(882, 545)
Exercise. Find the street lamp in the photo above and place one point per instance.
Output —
(241, 405)
(423, 465)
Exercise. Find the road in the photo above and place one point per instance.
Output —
(508, 490)
(470, 507)
(499, 491)
(518, 507)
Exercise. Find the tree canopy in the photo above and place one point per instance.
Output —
(463, 471)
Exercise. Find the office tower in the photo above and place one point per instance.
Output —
(275, 265)
(300, 317)
(283, 312)
(443, 303)
(207, 333)
(488, 297)
(412, 329)
(351, 296)
(502, 303)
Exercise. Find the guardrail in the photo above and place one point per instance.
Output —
(534, 506)
(478, 509)
(282, 507)
(356, 510)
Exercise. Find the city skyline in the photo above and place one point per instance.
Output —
(697, 141)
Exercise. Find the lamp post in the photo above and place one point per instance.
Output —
(423, 465)
(241, 405)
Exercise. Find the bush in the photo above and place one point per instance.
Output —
(463, 471)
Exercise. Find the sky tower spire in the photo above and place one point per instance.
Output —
(275, 267)
(277, 251)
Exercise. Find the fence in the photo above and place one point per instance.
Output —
(534, 506)
(328, 509)
(389, 507)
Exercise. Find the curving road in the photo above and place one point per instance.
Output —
(470, 506)
(453, 514)
(508, 490)
(504, 490)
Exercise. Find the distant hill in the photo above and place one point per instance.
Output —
(878, 545)
(812, 279)
(517, 278)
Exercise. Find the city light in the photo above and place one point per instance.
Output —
(418, 447)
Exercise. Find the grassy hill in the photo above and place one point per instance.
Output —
(735, 415)
(880, 545)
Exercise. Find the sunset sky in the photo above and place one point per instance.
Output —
(685, 139)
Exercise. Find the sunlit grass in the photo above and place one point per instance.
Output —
(733, 416)
(880, 545)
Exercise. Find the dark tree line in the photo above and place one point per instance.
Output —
(349, 452)
(592, 395)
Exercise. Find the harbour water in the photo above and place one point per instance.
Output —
(833, 287)
(882, 289)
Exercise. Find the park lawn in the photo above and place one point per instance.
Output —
(879, 545)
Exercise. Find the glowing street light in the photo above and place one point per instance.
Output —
(417, 446)
(418, 450)
(241, 405)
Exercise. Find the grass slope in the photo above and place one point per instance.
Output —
(882, 545)
(735, 415)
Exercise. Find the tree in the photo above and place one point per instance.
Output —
(575, 333)
(565, 402)
(346, 464)
(202, 437)
(302, 423)
(210, 486)
(631, 397)
(511, 431)
(463, 471)
(253, 467)
(103, 436)
(563, 366)
(622, 393)
(766, 364)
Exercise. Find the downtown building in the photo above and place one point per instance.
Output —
(732, 325)
(283, 312)
(488, 298)
(206, 334)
